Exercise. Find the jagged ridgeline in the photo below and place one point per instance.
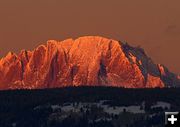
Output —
(86, 61)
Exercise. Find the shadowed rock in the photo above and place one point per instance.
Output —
(90, 60)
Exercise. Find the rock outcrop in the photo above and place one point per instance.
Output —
(87, 61)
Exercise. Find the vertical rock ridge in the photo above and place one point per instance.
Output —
(89, 60)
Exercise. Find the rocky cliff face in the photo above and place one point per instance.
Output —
(91, 60)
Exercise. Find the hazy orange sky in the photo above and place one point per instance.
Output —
(152, 24)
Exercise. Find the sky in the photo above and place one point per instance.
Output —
(152, 24)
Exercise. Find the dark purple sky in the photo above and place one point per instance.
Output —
(153, 24)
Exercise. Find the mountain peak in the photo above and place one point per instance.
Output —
(88, 60)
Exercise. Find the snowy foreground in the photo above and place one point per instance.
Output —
(102, 111)
(114, 110)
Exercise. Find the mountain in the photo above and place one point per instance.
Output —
(89, 60)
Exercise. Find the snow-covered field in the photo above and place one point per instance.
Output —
(115, 110)
(162, 104)
(76, 107)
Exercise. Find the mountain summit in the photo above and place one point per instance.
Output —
(87, 61)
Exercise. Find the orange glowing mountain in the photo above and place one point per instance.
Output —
(87, 61)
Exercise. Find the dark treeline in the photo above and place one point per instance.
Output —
(24, 99)
(15, 104)
(59, 95)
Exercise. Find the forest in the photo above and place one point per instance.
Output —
(17, 106)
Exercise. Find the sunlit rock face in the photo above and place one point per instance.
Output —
(86, 61)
